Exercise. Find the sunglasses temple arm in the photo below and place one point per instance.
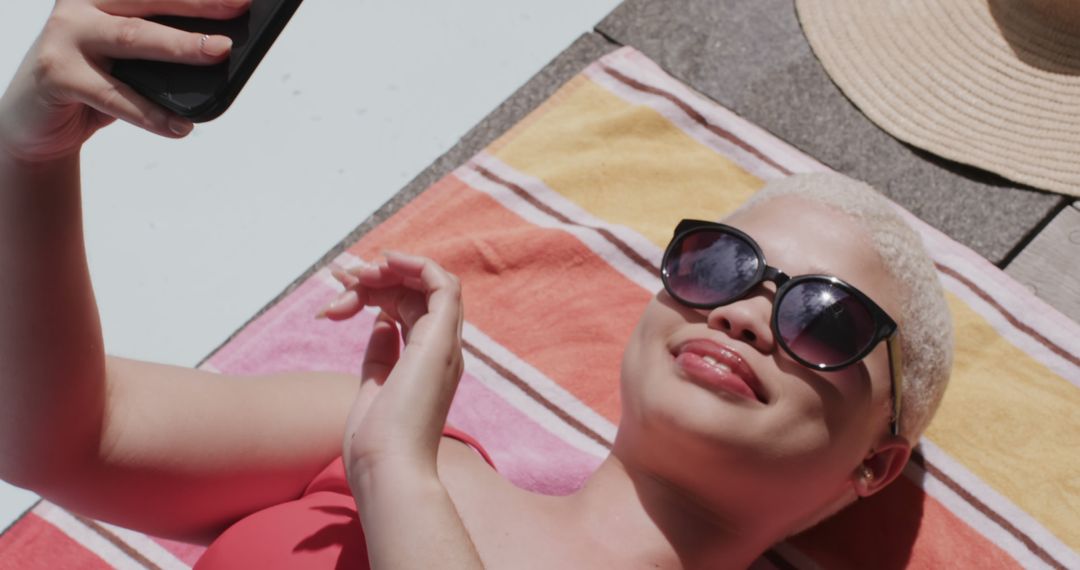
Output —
(892, 344)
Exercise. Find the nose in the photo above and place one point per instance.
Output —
(746, 320)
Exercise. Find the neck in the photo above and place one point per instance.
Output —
(644, 520)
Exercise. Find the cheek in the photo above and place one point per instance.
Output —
(826, 414)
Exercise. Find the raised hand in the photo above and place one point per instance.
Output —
(390, 446)
(402, 427)
(62, 92)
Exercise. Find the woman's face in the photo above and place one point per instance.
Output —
(800, 447)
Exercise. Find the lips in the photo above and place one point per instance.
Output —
(719, 367)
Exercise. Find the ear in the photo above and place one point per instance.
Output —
(881, 466)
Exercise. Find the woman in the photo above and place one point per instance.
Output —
(760, 393)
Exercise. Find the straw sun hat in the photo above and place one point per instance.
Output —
(991, 83)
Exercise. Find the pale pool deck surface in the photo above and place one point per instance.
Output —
(188, 241)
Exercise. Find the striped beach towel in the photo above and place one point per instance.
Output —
(556, 230)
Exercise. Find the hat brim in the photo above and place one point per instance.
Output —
(992, 86)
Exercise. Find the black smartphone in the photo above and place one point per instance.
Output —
(202, 93)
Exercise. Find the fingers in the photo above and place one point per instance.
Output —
(349, 302)
(420, 384)
(135, 38)
(404, 286)
(344, 277)
(379, 287)
(80, 41)
(213, 9)
(106, 94)
(442, 288)
(382, 350)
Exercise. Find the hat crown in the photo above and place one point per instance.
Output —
(1063, 14)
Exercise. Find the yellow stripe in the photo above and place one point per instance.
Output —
(538, 113)
(1014, 423)
(625, 163)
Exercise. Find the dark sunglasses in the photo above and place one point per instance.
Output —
(821, 321)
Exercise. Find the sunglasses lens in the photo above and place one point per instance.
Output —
(822, 323)
(710, 267)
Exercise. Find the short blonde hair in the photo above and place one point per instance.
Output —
(924, 324)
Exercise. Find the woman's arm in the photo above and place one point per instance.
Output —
(51, 361)
(410, 521)
(168, 450)
(52, 366)
(390, 448)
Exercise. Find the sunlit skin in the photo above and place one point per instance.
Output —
(764, 467)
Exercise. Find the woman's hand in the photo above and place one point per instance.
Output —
(402, 428)
(390, 447)
(62, 92)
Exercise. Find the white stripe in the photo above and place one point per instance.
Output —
(1023, 341)
(346, 261)
(684, 122)
(971, 516)
(85, 536)
(633, 63)
(611, 254)
(531, 408)
(1007, 292)
(324, 277)
(146, 546)
(559, 203)
(1000, 505)
(549, 390)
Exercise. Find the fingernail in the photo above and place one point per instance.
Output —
(215, 46)
(322, 312)
(344, 277)
(180, 126)
(337, 302)
(235, 3)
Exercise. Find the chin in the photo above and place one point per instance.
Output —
(676, 441)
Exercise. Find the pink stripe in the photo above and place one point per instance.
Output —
(524, 452)
(288, 338)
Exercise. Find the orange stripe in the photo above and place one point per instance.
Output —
(900, 527)
(538, 292)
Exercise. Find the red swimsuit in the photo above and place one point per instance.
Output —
(319, 530)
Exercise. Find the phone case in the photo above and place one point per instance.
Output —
(202, 93)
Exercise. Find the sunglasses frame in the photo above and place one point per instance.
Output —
(884, 326)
